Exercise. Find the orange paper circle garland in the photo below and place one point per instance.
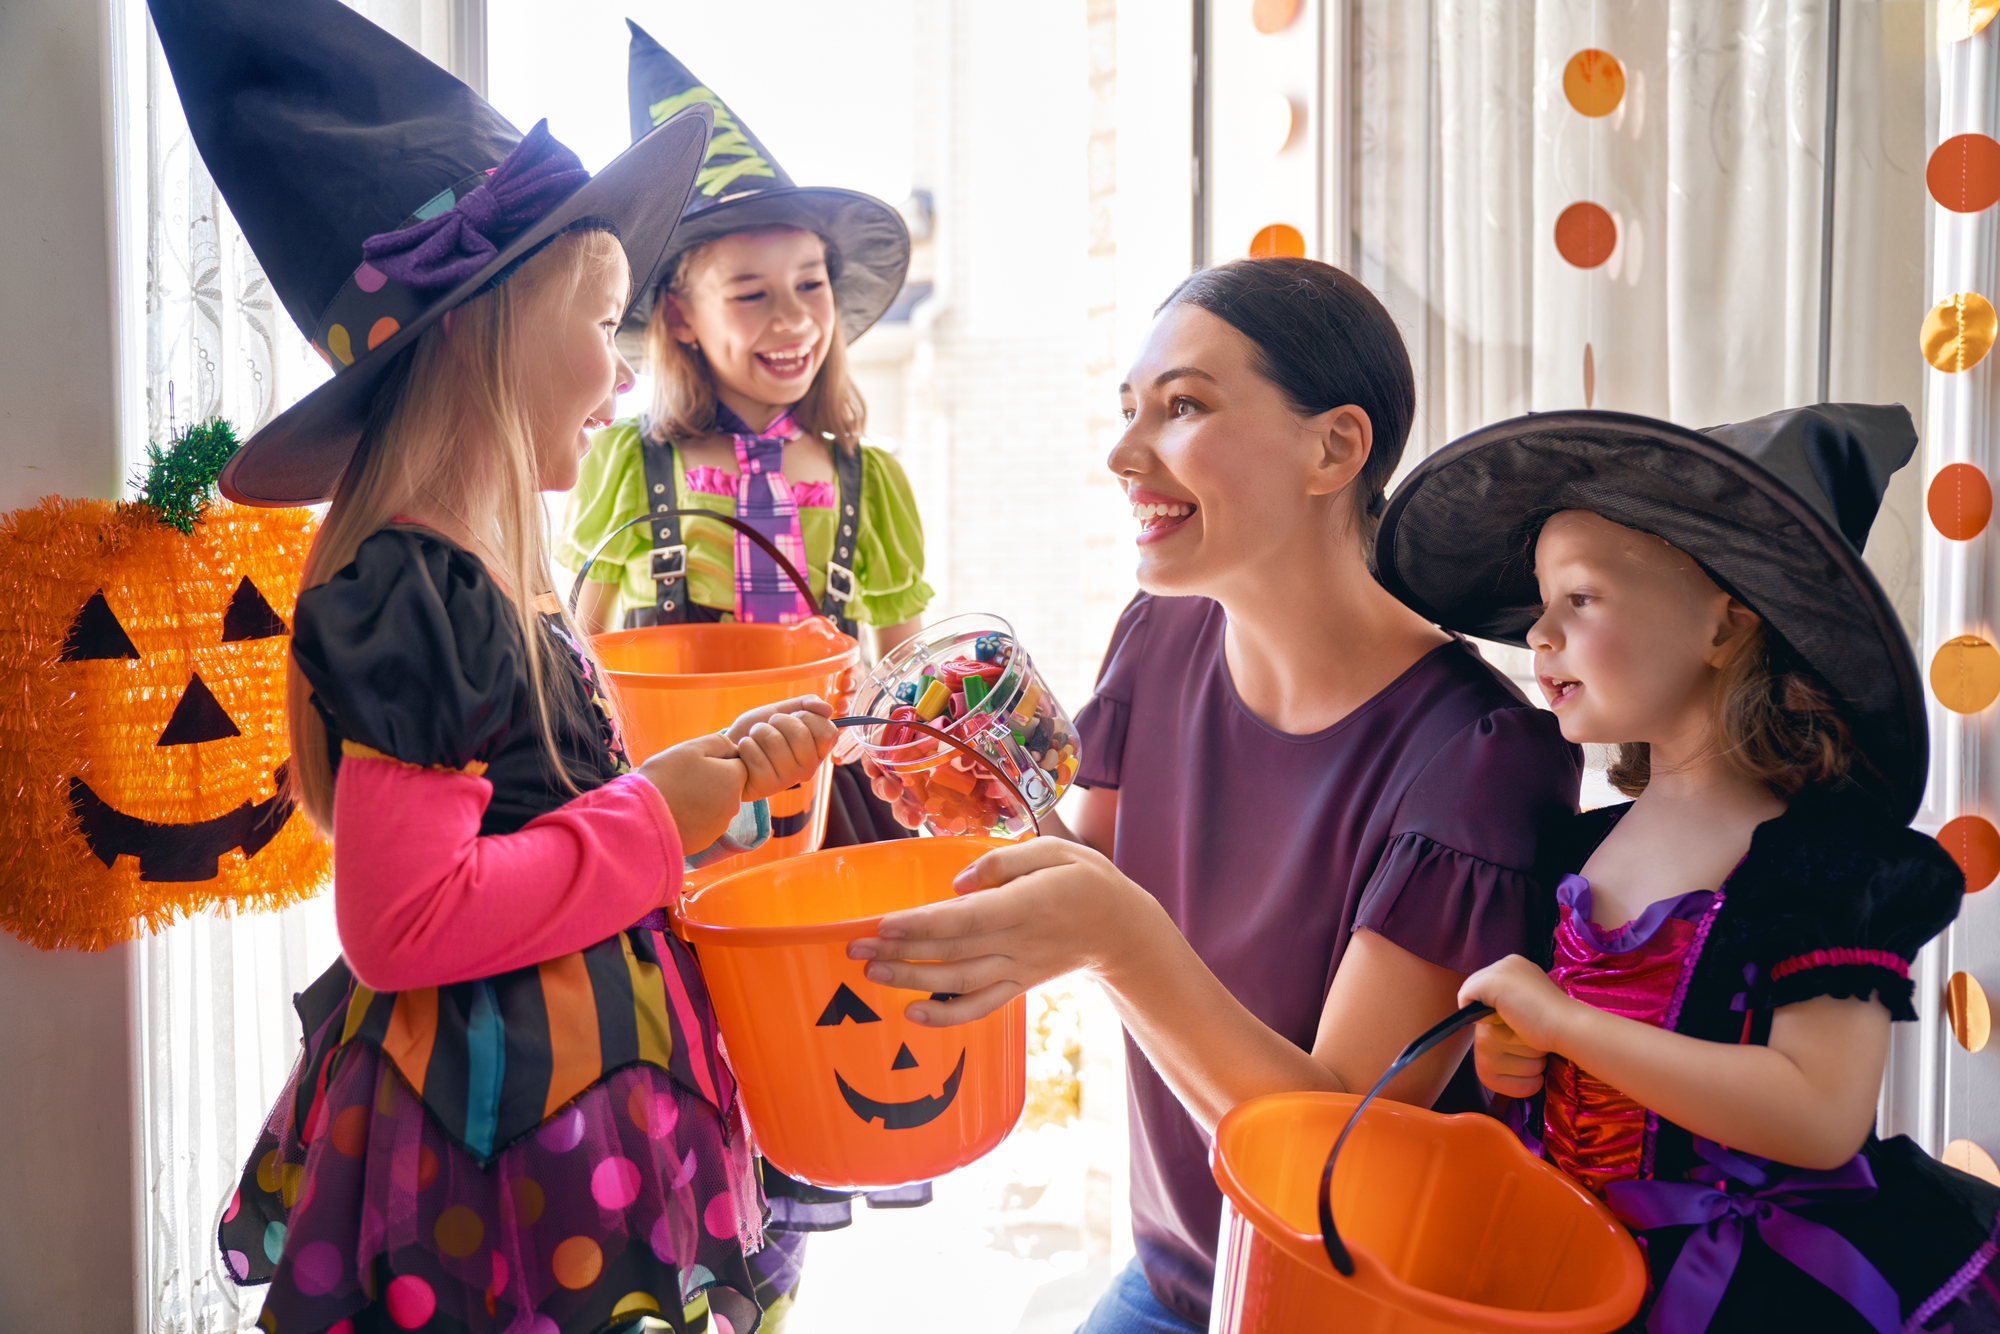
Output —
(142, 719)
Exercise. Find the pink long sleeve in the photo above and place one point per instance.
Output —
(423, 899)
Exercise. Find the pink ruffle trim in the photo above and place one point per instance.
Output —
(1839, 957)
(709, 480)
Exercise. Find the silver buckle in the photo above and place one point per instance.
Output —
(839, 582)
(670, 563)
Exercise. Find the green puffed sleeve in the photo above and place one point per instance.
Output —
(610, 488)
(889, 549)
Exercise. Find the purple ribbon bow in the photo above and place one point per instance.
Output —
(1735, 1193)
(449, 247)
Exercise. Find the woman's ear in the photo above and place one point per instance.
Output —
(1343, 437)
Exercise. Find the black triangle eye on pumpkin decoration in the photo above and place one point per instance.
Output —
(95, 633)
(845, 1006)
(250, 616)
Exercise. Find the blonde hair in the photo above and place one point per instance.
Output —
(684, 387)
(1775, 723)
(450, 427)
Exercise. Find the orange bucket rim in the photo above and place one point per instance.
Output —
(802, 933)
(1306, 1247)
(839, 661)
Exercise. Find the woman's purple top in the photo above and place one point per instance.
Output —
(1418, 816)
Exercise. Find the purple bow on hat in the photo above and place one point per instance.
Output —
(448, 248)
(1736, 1193)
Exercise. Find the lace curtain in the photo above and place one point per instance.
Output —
(216, 1034)
(1466, 151)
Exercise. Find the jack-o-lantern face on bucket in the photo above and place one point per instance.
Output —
(846, 1007)
(142, 718)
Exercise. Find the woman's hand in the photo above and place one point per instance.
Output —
(781, 744)
(1533, 1010)
(1029, 913)
(702, 781)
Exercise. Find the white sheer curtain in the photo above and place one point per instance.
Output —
(1466, 150)
(216, 1034)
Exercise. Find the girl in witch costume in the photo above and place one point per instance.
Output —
(754, 416)
(1732, 945)
(510, 1112)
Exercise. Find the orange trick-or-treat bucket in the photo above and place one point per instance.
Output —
(840, 1089)
(672, 683)
(1451, 1223)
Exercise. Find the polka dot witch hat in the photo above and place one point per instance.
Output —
(378, 192)
(1775, 510)
(741, 186)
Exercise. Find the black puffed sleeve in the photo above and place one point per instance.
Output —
(410, 650)
(1836, 902)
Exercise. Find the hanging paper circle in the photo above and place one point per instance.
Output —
(1957, 332)
(1277, 123)
(1960, 19)
(1974, 844)
(1589, 376)
(1278, 239)
(1964, 173)
(1585, 235)
(1965, 1005)
(1594, 82)
(1269, 16)
(1960, 501)
(1972, 1160)
(1965, 674)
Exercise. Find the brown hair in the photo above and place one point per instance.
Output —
(1326, 341)
(684, 387)
(1774, 722)
(451, 424)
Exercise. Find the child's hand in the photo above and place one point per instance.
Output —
(702, 781)
(1505, 1063)
(781, 744)
(1511, 1048)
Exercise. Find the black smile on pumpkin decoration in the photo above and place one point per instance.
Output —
(177, 853)
(903, 1115)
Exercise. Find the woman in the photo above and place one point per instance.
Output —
(1309, 815)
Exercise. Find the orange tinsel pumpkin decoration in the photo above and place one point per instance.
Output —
(142, 718)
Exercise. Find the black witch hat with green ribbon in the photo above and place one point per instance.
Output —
(741, 187)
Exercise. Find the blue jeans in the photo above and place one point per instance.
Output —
(1129, 1307)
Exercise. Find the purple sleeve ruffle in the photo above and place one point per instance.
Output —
(1101, 724)
(1458, 911)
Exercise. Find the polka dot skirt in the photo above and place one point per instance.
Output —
(630, 1202)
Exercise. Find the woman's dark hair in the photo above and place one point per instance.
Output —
(1324, 340)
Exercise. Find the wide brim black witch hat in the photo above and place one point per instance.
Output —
(1775, 511)
(324, 133)
(741, 188)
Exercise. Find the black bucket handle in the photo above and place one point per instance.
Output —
(757, 540)
(1444, 1028)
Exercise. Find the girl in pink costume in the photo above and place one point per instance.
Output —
(1731, 946)
(511, 1111)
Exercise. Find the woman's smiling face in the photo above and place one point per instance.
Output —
(760, 307)
(1223, 475)
(1631, 634)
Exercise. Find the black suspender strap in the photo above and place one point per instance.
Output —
(670, 582)
(846, 524)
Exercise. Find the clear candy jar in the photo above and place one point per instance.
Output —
(970, 678)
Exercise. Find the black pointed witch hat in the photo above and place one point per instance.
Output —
(741, 186)
(1774, 510)
(379, 192)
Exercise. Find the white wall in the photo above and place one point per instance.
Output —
(68, 1218)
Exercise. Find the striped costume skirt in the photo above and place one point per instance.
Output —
(552, 1151)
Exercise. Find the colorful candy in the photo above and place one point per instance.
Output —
(992, 700)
